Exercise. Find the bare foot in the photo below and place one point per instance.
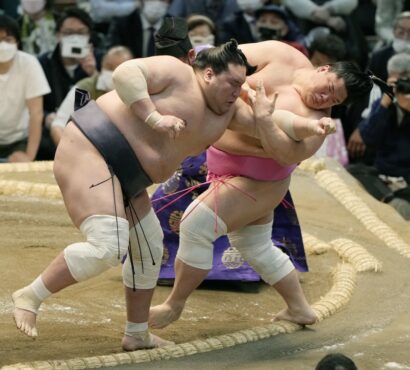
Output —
(144, 340)
(301, 317)
(25, 311)
(164, 314)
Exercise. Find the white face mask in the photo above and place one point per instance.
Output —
(202, 40)
(75, 46)
(104, 81)
(401, 46)
(249, 5)
(33, 6)
(154, 10)
(8, 51)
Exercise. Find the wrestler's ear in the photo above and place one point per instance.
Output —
(208, 74)
(191, 56)
(324, 68)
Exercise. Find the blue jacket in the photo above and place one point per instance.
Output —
(390, 140)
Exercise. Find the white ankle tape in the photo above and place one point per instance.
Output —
(25, 299)
(39, 289)
(132, 328)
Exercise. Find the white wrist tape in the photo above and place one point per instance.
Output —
(153, 119)
(130, 81)
(285, 120)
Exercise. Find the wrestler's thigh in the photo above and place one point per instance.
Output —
(78, 174)
(244, 201)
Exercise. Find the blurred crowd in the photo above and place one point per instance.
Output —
(50, 47)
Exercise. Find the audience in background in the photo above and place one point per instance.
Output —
(96, 85)
(137, 30)
(201, 30)
(73, 59)
(38, 26)
(273, 23)
(241, 25)
(387, 131)
(22, 87)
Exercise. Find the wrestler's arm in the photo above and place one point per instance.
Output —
(275, 142)
(135, 80)
(296, 126)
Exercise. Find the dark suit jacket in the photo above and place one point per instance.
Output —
(127, 31)
(238, 28)
(378, 61)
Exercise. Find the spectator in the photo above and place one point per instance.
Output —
(103, 11)
(386, 12)
(73, 59)
(387, 130)
(201, 30)
(216, 10)
(137, 30)
(400, 43)
(327, 49)
(38, 26)
(22, 85)
(241, 25)
(338, 16)
(397, 66)
(96, 85)
(336, 361)
(273, 23)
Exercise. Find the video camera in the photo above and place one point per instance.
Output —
(403, 86)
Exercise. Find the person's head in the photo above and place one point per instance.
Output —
(74, 29)
(201, 30)
(221, 72)
(399, 66)
(327, 49)
(35, 8)
(401, 33)
(154, 10)
(272, 22)
(172, 39)
(111, 60)
(249, 6)
(334, 84)
(9, 38)
(336, 361)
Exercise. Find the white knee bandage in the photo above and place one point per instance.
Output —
(103, 249)
(196, 234)
(146, 273)
(255, 245)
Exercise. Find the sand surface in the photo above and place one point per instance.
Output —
(88, 319)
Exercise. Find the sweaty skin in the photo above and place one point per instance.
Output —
(301, 89)
(78, 165)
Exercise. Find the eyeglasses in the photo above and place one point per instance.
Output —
(402, 32)
(69, 32)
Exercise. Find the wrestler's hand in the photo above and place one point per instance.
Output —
(326, 125)
(171, 125)
(262, 106)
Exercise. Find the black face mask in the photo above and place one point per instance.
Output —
(267, 33)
